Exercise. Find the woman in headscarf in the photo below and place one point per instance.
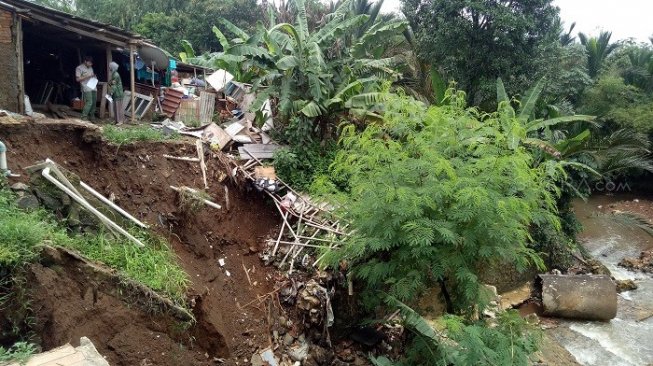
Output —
(117, 93)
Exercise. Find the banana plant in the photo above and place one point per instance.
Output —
(309, 73)
(576, 140)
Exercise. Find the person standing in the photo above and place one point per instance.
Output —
(117, 93)
(83, 73)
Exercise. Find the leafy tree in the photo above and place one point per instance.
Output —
(63, 5)
(475, 41)
(167, 21)
(598, 49)
(434, 194)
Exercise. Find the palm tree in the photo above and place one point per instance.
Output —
(566, 38)
(598, 49)
(577, 140)
(640, 71)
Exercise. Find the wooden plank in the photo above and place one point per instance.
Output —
(21, 72)
(103, 100)
(207, 107)
(257, 151)
(234, 128)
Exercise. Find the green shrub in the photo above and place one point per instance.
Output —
(299, 166)
(434, 194)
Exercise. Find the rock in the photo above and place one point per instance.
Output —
(299, 352)
(20, 187)
(28, 202)
(626, 285)
(288, 340)
(320, 355)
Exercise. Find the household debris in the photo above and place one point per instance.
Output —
(196, 195)
(586, 297)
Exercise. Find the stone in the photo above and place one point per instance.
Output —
(28, 202)
(20, 187)
(288, 340)
(626, 285)
(320, 355)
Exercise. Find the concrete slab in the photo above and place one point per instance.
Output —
(67, 355)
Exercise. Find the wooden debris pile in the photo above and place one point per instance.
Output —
(306, 223)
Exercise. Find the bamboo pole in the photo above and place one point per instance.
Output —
(132, 71)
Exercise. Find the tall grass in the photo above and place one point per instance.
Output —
(126, 135)
(155, 265)
(21, 231)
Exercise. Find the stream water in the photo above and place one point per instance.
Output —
(626, 340)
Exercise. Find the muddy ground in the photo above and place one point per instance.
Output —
(139, 178)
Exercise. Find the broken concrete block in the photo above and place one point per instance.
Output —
(579, 296)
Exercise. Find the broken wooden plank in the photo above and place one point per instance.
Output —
(234, 128)
(257, 151)
(200, 155)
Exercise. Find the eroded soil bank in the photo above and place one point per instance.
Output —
(68, 302)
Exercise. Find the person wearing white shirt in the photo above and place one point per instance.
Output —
(83, 74)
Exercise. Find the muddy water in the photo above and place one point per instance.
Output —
(626, 340)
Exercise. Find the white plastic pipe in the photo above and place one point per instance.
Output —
(3, 158)
(112, 205)
(46, 174)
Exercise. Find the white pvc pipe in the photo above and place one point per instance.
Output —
(46, 174)
(3, 158)
(112, 205)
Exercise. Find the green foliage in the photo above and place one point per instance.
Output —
(434, 193)
(598, 49)
(300, 166)
(20, 352)
(315, 75)
(167, 21)
(154, 265)
(452, 340)
(476, 41)
(127, 135)
(20, 232)
(620, 105)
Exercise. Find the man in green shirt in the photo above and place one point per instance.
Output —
(84, 73)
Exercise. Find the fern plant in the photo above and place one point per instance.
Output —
(435, 193)
(452, 340)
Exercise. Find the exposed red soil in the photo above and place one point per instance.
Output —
(139, 177)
